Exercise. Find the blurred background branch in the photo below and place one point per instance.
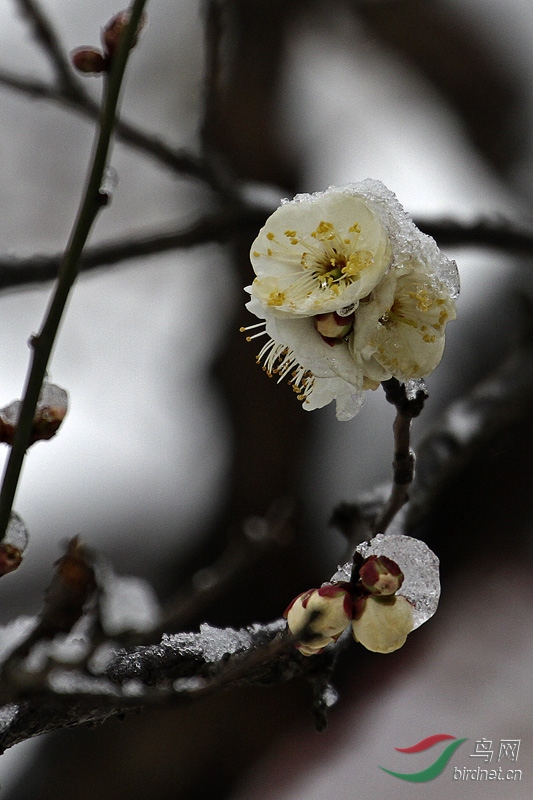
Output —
(221, 227)
(288, 95)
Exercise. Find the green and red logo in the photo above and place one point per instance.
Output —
(438, 766)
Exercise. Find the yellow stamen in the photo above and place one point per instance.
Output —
(276, 299)
(324, 231)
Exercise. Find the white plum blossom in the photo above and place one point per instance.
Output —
(316, 256)
(351, 293)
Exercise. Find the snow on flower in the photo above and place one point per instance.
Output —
(418, 564)
(351, 293)
(393, 590)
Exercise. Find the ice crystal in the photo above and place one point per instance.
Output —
(419, 564)
(413, 387)
(211, 644)
(192, 684)
(52, 396)
(330, 696)
(176, 651)
(16, 534)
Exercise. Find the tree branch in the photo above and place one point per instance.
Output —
(182, 668)
(90, 205)
(499, 233)
(49, 41)
(71, 94)
(219, 227)
(404, 458)
(177, 159)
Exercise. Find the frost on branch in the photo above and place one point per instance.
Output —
(14, 633)
(351, 294)
(50, 412)
(184, 655)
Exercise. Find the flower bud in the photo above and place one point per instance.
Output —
(13, 545)
(333, 327)
(384, 624)
(113, 31)
(88, 60)
(10, 558)
(381, 575)
(47, 421)
(320, 615)
(50, 412)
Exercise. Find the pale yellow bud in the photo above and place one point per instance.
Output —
(384, 624)
(320, 616)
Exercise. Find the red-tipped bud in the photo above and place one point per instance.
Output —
(113, 31)
(8, 421)
(49, 414)
(332, 327)
(88, 60)
(13, 545)
(381, 575)
(10, 558)
(320, 616)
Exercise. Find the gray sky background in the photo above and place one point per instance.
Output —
(145, 437)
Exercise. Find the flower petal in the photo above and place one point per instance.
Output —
(317, 371)
(384, 625)
(407, 337)
(318, 254)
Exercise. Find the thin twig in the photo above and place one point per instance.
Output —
(88, 211)
(39, 90)
(48, 39)
(404, 458)
(218, 227)
(70, 93)
(177, 159)
(498, 233)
